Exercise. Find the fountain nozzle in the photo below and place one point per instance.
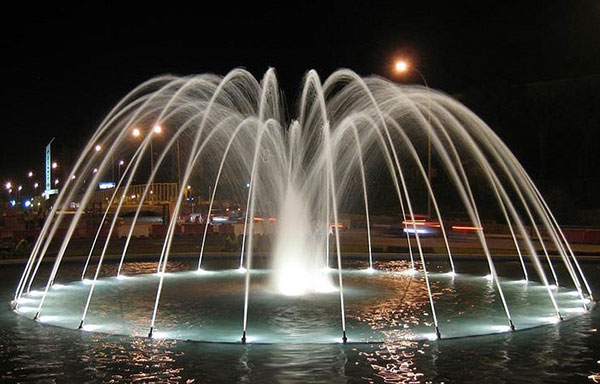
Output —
(244, 337)
(344, 338)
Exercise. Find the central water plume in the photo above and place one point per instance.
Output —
(299, 255)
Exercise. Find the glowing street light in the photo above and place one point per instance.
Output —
(8, 185)
(35, 185)
(56, 182)
(95, 170)
(157, 129)
(29, 174)
(136, 132)
(54, 165)
(401, 66)
(98, 148)
(20, 188)
(121, 163)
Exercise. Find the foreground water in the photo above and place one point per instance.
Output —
(33, 352)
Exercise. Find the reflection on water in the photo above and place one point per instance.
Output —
(565, 353)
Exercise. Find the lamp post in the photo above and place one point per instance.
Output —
(121, 163)
(402, 66)
(157, 129)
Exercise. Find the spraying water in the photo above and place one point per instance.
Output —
(352, 135)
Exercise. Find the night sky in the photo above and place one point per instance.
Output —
(65, 66)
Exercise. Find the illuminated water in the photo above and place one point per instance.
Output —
(566, 352)
(353, 140)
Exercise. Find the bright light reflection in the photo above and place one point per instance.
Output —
(159, 274)
(251, 339)
(451, 273)
(489, 277)
(370, 270)
(241, 270)
(59, 286)
(91, 327)
(500, 328)
(36, 293)
(159, 335)
(430, 336)
(122, 277)
(46, 318)
(87, 281)
(202, 272)
(573, 310)
(296, 281)
(26, 309)
(24, 300)
(549, 319)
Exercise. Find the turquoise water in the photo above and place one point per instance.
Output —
(300, 327)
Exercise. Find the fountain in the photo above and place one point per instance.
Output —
(351, 136)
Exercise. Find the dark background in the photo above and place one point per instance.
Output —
(530, 69)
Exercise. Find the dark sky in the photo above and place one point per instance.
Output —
(65, 66)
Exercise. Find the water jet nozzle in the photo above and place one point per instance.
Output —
(344, 338)
(150, 333)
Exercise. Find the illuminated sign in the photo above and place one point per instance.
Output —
(106, 185)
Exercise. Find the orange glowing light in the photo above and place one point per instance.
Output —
(466, 228)
(432, 224)
(401, 66)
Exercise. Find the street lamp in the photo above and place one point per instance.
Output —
(121, 163)
(54, 165)
(98, 148)
(401, 67)
(29, 174)
(156, 129)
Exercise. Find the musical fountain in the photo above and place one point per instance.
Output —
(351, 136)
